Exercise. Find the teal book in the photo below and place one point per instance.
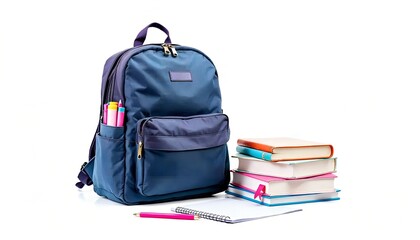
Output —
(255, 153)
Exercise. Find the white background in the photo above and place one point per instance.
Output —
(343, 72)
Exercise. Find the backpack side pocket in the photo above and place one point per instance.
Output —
(108, 173)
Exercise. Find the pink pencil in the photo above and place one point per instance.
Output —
(105, 114)
(166, 215)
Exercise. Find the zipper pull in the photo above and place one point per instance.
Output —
(172, 48)
(140, 150)
(166, 51)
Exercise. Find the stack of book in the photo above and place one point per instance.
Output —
(282, 171)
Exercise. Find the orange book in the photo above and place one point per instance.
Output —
(284, 148)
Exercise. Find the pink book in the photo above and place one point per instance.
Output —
(282, 186)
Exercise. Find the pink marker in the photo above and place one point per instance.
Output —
(120, 104)
(166, 215)
(120, 116)
(105, 115)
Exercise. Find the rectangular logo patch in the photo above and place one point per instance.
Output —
(180, 76)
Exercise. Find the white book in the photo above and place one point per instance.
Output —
(286, 169)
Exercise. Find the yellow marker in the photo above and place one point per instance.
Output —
(112, 115)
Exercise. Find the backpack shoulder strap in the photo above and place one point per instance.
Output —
(86, 170)
(85, 174)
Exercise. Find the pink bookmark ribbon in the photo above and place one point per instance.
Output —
(259, 192)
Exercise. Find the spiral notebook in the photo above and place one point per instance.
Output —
(233, 210)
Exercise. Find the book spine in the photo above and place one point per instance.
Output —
(254, 145)
(254, 153)
(332, 151)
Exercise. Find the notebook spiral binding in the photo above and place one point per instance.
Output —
(201, 214)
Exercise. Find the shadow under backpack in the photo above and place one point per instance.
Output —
(173, 143)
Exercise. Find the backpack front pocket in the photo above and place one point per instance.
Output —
(181, 153)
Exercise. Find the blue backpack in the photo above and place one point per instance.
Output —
(172, 144)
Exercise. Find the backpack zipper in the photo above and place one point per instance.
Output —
(140, 150)
(173, 50)
(140, 141)
(165, 47)
(169, 49)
